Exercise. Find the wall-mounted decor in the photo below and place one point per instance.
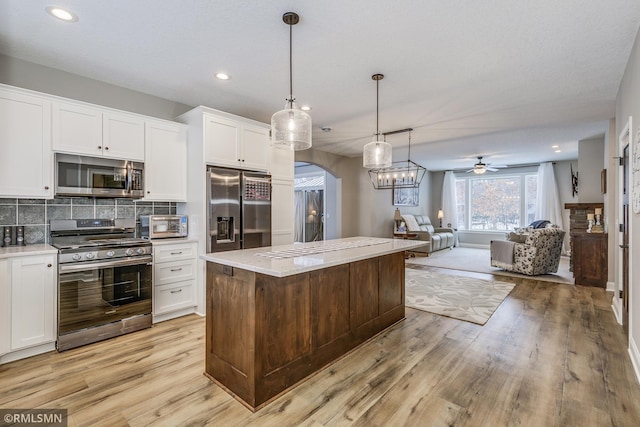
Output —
(603, 181)
(574, 182)
(405, 196)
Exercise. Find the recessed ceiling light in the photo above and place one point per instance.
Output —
(558, 151)
(62, 14)
(555, 146)
(223, 76)
(305, 108)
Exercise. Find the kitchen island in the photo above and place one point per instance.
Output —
(276, 315)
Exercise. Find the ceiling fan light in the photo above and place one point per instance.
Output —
(377, 154)
(291, 128)
(479, 171)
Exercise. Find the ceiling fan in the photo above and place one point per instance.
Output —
(480, 167)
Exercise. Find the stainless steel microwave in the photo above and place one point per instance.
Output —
(163, 226)
(98, 177)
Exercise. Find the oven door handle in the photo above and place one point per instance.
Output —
(105, 264)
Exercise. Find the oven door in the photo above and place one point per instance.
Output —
(95, 294)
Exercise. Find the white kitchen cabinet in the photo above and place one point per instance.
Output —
(33, 300)
(77, 129)
(255, 145)
(282, 211)
(174, 279)
(165, 166)
(232, 143)
(25, 145)
(123, 136)
(87, 130)
(281, 163)
(5, 308)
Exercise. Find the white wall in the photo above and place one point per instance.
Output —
(628, 104)
(590, 164)
(28, 75)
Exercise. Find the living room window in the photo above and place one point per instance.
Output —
(496, 203)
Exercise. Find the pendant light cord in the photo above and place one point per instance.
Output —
(377, 106)
(291, 64)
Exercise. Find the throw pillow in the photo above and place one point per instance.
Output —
(412, 224)
(518, 238)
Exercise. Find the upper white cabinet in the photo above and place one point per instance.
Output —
(281, 163)
(33, 300)
(25, 145)
(82, 129)
(255, 145)
(123, 136)
(165, 161)
(234, 143)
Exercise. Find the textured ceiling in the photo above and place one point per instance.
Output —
(500, 78)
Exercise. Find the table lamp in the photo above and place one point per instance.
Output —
(397, 217)
(440, 216)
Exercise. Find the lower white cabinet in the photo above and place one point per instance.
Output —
(27, 306)
(174, 279)
(5, 308)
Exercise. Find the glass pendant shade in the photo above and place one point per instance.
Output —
(291, 128)
(377, 154)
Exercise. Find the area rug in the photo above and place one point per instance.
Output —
(460, 297)
(479, 261)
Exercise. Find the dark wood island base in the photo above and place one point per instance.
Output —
(265, 334)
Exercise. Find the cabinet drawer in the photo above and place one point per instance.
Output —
(169, 272)
(174, 252)
(173, 297)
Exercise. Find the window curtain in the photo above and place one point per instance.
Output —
(548, 199)
(449, 203)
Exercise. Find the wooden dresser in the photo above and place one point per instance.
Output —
(590, 258)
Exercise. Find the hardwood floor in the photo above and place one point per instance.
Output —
(551, 355)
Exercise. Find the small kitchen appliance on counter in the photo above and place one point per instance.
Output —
(163, 226)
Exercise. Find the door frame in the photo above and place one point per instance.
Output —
(625, 138)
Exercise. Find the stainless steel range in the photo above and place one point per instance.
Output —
(104, 280)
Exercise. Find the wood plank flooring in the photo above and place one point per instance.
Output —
(551, 355)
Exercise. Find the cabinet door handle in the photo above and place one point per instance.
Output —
(176, 269)
(106, 148)
(99, 147)
(46, 187)
(624, 246)
(175, 292)
(49, 265)
(176, 253)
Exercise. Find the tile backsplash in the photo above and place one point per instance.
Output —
(35, 214)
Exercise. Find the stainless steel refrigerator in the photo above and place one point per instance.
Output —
(239, 213)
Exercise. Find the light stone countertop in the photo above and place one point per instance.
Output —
(287, 260)
(27, 250)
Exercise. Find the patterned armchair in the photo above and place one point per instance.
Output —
(534, 251)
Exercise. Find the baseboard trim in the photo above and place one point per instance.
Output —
(634, 354)
(615, 307)
(473, 245)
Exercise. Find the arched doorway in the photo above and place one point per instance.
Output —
(317, 203)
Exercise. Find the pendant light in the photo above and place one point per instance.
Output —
(377, 154)
(401, 174)
(291, 127)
